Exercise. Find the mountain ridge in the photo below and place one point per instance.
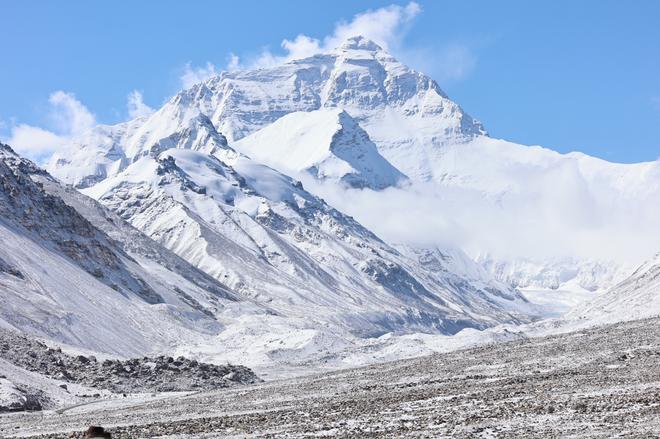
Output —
(327, 144)
(421, 133)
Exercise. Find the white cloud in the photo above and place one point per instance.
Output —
(34, 142)
(558, 216)
(301, 47)
(234, 62)
(68, 116)
(385, 26)
(193, 75)
(136, 105)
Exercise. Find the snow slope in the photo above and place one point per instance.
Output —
(65, 279)
(328, 144)
(304, 282)
(263, 235)
(637, 297)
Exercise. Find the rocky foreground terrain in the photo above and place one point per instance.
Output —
(601, 382)
(147, 374)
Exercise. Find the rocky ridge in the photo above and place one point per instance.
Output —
(137, 375)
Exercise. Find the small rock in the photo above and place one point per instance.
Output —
(97, 432)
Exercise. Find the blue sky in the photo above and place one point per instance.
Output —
(569, 75)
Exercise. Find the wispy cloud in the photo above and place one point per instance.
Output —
(4, 130)
(387, 26)
(195, 74)
(34, 142)
(136, 106)
(68, 118)
(192, 75)
(234, 62)
(453, 62)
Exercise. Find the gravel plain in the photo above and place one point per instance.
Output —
(596, 383)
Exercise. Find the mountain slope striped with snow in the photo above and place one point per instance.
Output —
(263, 235)
(107, 288)
(429, 153)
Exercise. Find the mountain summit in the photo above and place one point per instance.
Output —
(359, 42)
(403, 111)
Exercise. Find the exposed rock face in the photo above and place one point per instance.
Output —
(25, 203)
(97, 432)
(72, 271)
(6, 268)
(147, 374)
(15, 398)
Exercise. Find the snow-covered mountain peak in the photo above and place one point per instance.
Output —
(328, 144)
(6, 148)
(198, 134)
(358, 42)
(404, 112)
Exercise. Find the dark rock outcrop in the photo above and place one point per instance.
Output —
(147, 374)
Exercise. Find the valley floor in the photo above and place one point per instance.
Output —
(600, 382)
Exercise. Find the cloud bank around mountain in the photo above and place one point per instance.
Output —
(540, 224)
